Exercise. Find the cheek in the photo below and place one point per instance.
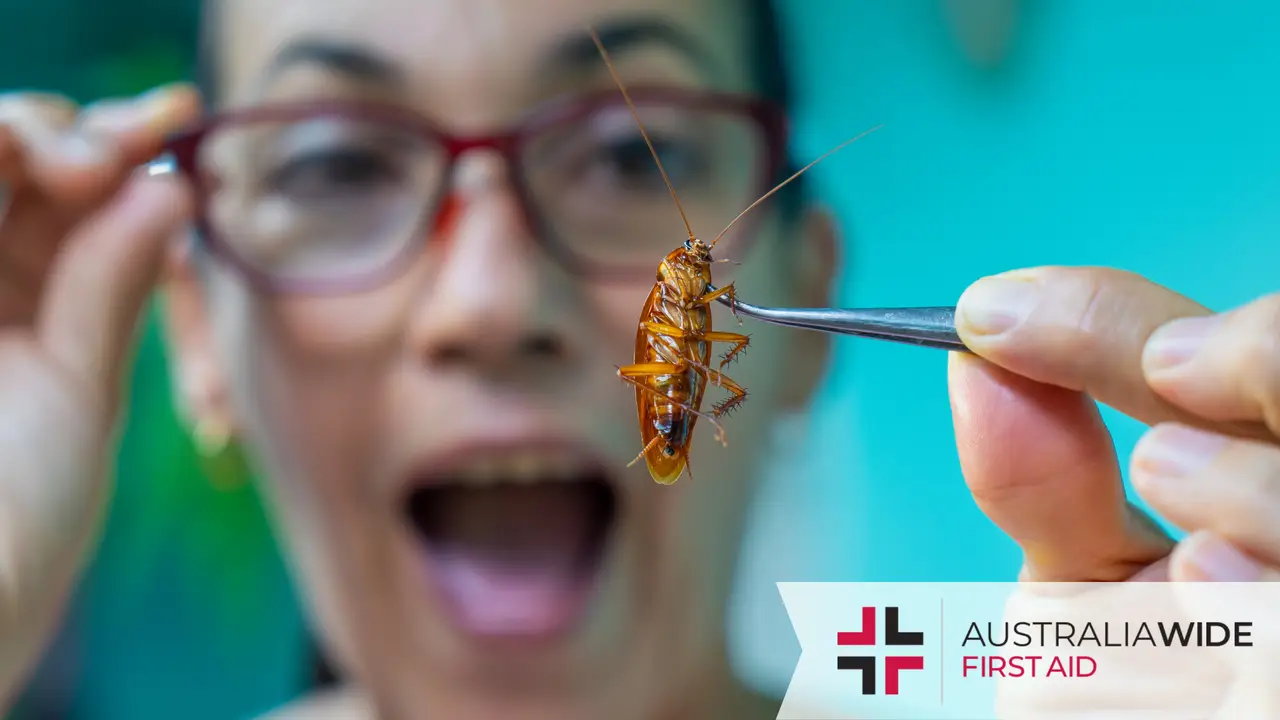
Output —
(310, 406)
(305, 382)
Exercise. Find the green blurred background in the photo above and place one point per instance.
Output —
(1137, 134)
(187, 611)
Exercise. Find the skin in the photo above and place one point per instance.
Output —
(1052, 340)
(335, 397)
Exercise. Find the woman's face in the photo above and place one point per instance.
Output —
(446, 452)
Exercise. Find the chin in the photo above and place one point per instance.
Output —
(515, 579)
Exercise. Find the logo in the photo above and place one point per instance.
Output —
(1023, 649)
(894, 636)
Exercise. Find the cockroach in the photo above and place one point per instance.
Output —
(672, 365)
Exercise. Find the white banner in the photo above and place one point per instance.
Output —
(973, 651)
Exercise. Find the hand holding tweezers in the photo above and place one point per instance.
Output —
(932, 327)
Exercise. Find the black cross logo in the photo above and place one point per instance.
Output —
(894, 636)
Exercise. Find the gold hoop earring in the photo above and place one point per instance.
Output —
(211, 437)
(220, 459)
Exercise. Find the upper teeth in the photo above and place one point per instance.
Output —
(521, 466)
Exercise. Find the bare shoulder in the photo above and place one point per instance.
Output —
(341, 704)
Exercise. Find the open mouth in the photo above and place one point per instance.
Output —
(514, 541)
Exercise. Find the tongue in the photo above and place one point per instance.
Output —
(513, 559)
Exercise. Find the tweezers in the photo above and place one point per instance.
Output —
(933, 327)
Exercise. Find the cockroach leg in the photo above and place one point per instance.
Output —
(650, 369)
(725, 406)
(672, 331)
(664, 329)
(713, 376)
(718, 292)
(630, 373)
(726, 291)
(739, 341)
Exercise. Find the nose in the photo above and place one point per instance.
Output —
(495, 305)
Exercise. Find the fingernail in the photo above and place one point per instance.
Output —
(1174, 451)
(116, 120)
(997, 304)
(154, 97)
(1176, 342)
(79, 149)
(1219, 561)
(155, 105)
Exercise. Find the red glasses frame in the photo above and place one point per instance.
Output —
(185, 149)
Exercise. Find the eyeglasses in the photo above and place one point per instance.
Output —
(339, 197)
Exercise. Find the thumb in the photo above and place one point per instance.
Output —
(1040, 463)
(109, 267)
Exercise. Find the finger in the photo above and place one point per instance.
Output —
(47, 156)
(139, 126)
(1206, 556)
(75, 159)
(10, 159)
(98, 288)
(1201, 562)
(52, 193)
(1224, 367)
(1082, 329)
(1040, 464)
(1201, 480)
(54, 111)
(32, 225)
(43, 200)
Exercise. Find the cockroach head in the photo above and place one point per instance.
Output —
(698, 250)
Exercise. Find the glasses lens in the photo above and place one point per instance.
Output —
(602, 195)
(320, 198)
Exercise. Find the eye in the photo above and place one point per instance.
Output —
(669, 451)
(628, 162)
(334, 173)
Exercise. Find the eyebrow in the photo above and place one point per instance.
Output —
(575, 53)
(579, 51)
(346, 58)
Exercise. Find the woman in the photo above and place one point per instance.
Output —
(417, 348)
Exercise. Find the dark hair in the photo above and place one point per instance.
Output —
(768, 67)
(768, 59)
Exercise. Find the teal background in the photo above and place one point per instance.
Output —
(1136, 134)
